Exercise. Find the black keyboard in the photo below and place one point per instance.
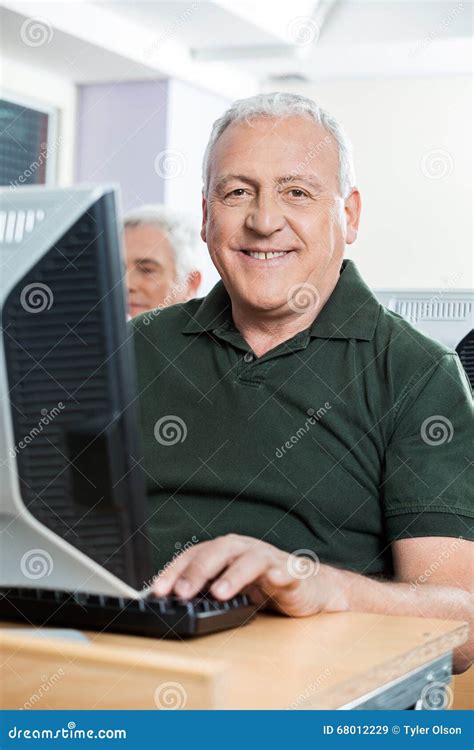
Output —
(158, 617)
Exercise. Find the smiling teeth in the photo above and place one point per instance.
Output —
(264, 256)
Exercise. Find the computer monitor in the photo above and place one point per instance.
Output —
(72, 502)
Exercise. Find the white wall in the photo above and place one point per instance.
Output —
(49, 90)
(190, 116)
(413, 156)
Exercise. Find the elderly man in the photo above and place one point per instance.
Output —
(291, 424)
(161, 258)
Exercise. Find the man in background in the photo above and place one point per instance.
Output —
(161, 258)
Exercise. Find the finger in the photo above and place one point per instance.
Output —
(208, 562)
(245, 569)
(164, 581)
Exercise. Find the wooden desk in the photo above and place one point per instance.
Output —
(325, 661)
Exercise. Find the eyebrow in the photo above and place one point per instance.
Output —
(310, 180)
(148, 260)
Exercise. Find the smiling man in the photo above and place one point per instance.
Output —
(292, 349)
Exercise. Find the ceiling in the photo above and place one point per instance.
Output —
(233, 46)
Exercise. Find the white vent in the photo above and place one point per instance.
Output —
(14, 225)
(414, 310)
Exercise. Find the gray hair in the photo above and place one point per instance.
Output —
(178, 228)
(281, 104)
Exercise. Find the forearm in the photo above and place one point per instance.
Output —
(357, 593)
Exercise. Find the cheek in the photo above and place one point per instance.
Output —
(222, 226)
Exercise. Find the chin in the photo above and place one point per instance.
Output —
(265, 302)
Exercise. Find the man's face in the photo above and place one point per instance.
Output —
(151, 270)
(274, 187)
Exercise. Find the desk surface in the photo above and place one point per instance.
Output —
(324, 661)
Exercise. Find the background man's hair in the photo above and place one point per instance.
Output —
(179, 230)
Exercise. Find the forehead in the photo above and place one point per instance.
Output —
(147, 241)
(276, 147)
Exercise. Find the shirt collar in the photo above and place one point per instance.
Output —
(351, 311)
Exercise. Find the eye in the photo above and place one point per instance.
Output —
(298, 193)
(237, 193)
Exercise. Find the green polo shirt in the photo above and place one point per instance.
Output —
(352, 434)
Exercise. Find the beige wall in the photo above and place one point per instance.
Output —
(416, 230)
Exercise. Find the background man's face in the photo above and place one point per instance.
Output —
(274, 186)
(151, 270)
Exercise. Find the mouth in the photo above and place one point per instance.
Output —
(265, 255)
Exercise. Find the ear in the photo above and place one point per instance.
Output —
(352, 209)
(204, 218)
(193, 282)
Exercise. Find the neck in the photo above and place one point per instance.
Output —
(264, 330)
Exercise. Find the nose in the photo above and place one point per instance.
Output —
(265, 216)
(130, 280)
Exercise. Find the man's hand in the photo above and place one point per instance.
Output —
(294, 585)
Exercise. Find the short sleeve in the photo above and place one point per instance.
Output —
(428, 484)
